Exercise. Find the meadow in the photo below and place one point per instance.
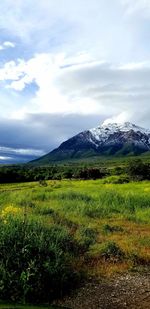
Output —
(57, 233)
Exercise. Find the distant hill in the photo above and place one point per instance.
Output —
(106, 140)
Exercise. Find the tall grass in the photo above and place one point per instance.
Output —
(49, 235)
(36, 261)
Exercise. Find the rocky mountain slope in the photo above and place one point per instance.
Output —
(107, 139)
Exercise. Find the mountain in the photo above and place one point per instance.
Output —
(105, 140)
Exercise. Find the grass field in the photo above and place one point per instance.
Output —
(110, 223)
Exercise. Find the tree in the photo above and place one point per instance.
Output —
(138, 170)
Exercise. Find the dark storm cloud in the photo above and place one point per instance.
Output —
(22, 140)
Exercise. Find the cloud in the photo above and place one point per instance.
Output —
(2, 158)
(87, 75)
(9, 44)
(44, 69)
(6, 45)
(79, 85)
(121, 118)
(25, 152)
(57, 26)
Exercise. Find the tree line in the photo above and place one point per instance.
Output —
(135, 169)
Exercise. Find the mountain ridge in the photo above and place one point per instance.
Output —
(107, 139)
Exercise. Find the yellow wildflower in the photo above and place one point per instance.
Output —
(10, 211)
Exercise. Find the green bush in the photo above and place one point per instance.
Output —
(90, 173)
(111, 251)
(116, 179)
(138, 170)
(35, 261)
(43, 183)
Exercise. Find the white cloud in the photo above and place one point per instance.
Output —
(9, 44)
(27, 152)
(12, 70)
(66, 85)
(6, 45)
(4, 158)
(121, 118)
(44, 69)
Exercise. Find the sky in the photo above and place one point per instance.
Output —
(67, 66)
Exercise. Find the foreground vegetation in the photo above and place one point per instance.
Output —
(55, 233)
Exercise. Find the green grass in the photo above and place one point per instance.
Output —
(109, 223)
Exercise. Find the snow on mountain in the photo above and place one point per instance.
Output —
(103, 132)
(107, 139)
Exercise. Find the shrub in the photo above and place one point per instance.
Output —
(111, 251)
(116, 179)
(138, 170)
(43, 183)
(91, 173)
(35, 261)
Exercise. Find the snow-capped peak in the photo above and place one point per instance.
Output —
(101, 133)
(124, 127)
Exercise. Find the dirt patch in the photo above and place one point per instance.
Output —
(125, 291)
